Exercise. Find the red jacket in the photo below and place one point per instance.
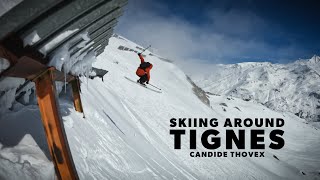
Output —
(140, 72)
(141, 58)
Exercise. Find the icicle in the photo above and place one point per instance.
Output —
(65, 83)
(35, 96)
(87, 75)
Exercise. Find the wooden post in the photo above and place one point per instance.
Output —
(76, 94)
(53, 125)
(5, 53)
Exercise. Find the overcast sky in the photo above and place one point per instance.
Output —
(225, 31)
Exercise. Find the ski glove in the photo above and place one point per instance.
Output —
(139, 54)
(147, 82)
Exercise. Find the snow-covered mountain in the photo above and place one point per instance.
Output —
(293, 87)
(125, 134)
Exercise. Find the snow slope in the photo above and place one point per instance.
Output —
(293, 87)
(125, 134)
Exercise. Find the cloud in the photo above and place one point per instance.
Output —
(235, 23)
(224, 37)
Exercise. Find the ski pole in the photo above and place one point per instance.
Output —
(154, 86)
(145, 49)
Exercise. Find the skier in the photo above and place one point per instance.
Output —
(143, 71)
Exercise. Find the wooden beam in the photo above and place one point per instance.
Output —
(14, 44)
(62, 77)
(76, 95)
(6, 54)
(53, 125)
(25, 68)
(29, 68)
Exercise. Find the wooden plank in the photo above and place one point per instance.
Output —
(25, 68)
(13, 43)
(76, 95)
(54, 128)
(60, 76)
(6, 54)
(28, 68)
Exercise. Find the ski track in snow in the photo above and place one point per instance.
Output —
(135, 142)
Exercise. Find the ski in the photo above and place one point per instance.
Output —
(145, 86)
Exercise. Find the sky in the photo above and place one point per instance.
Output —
(225, 31)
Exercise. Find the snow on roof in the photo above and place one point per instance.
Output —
(57, 40)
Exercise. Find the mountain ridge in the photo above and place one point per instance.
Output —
(292, 87)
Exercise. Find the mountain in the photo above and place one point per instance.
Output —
(293, 87)
(125, 134)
